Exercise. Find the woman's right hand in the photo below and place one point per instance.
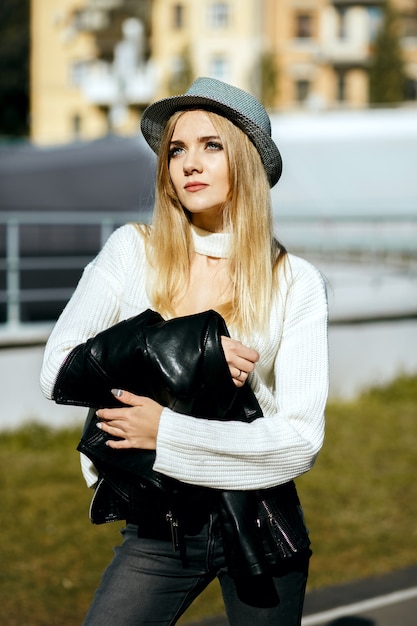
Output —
(240, 359)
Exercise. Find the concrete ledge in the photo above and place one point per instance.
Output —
(24, 335)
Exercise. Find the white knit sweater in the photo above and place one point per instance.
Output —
(290, 380)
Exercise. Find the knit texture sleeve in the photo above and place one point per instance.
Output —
(99, 300)
(285, 442)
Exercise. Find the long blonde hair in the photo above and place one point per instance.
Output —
(247, 214)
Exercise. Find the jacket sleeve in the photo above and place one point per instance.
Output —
(104, 362)
(284, 444)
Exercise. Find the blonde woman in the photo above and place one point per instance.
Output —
(210, 246)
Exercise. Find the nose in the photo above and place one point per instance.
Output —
(192, 162)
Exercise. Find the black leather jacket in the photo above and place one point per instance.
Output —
(179, 363)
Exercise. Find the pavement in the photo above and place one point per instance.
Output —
(388, 600)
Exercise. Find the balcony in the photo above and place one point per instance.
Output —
(102, 85)
(346, 37)
(357, 3)
(345, 54)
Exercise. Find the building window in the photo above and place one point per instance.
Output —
(219, 15)
(178, 16)
(341, 22)
(411, 89)
(76, 123)
(341, 87)
(219, 68)
(375, 17)
(302, 88)
(304, 25)
(90, 19)
(78, 72)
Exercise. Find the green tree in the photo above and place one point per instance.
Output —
(181, 79)
(269, 79)
(14, 67)
(386, 72)
(264, 79)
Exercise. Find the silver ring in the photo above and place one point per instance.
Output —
(240, 374)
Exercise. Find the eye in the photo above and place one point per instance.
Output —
(175, 151)
(214, 145)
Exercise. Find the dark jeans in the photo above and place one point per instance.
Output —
(146, 584)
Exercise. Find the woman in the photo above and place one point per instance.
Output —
(210, 246)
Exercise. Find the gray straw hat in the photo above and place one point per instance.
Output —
(240, 107)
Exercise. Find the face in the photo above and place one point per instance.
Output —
(199, 170)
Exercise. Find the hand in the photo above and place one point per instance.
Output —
(136, 424)
(240, 359)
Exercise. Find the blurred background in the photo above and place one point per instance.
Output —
(339, 79)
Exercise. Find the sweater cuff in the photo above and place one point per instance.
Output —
(166, 460)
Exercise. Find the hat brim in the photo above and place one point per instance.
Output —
(156, 116)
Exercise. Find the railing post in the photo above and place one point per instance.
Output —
(12, 272)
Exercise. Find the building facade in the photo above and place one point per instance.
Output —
(90, 68)
(219, 39)
(323, 49)
(97, 63)
(58, 110)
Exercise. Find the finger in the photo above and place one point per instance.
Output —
(239, 349)
(241, 369)
(239, 356)
(248, 354)
(119, 444)
(246, 362)
(127, 398)
(111, 415)
(239, 378)
(240, 374)
(113, 431)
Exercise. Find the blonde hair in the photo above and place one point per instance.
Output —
(247, 214)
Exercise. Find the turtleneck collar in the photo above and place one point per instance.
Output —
(217, 245)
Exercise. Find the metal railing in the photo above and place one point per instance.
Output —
(359, 237)
(15, 261)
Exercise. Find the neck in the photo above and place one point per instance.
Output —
(209, 221)
(211, 244)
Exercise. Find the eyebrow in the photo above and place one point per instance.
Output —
(179, 142)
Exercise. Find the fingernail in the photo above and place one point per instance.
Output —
(99, 425)
(117, 392)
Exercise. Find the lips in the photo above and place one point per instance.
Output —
(195, 186)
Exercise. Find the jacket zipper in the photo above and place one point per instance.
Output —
(275, 522)
(174, 530)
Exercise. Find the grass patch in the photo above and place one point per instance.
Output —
(360, 503)
(361, 499)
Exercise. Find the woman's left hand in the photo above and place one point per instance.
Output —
(240, 358)
(136, 424)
